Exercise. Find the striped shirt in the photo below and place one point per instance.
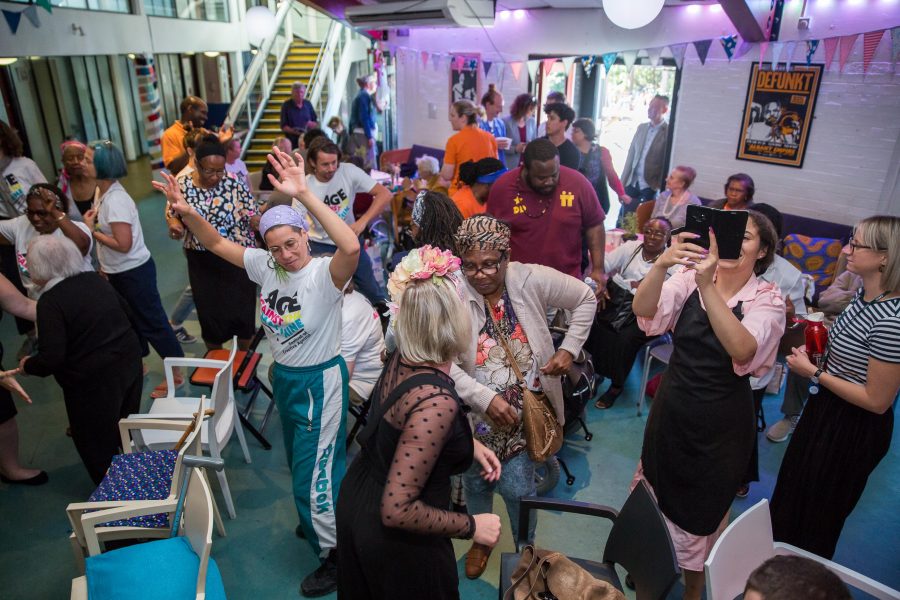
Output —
(864, 330)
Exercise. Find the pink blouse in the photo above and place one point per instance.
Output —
(763, 311)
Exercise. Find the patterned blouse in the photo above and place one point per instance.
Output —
(492, 370)
(227, 207)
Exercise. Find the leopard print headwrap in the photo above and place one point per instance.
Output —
(482, 232)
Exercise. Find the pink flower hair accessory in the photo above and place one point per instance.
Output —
(421, 263)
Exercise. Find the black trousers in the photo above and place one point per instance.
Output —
(10, 269)
(94, 406)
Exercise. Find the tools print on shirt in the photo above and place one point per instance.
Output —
(283, 317)
(339, 202)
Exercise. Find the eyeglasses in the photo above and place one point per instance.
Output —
(736, 190)
(653, 233)
(490, 268)
(212, 172)
(854, 247)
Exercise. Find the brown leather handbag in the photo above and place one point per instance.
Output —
(549, 575)
(543, 433)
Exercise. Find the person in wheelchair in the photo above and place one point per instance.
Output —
(508, 303)
(615, 338)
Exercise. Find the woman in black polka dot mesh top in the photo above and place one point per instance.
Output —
(392, 524)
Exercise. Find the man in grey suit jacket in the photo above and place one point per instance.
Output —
(644, 173)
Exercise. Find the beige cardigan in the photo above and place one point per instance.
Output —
(533, 290)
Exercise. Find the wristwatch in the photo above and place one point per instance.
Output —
(814, 382)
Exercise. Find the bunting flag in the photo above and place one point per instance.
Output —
(847, 42)
(487, 66)
(458, 62)
(547, 65)
(567, 62)
(777, 47)
(516, 69)
(811, 47)
(436, 60)
(870, 44)
(12, 19)
(653, 54)
(45, 4)
(31, 14)
(425, 57)
(628, 57)
(789, 48)
(895, 44)
(742, 49)
(831, 45)
(533, 66)
(588, 62)
(609, 59)
(763, 46)
(678, 53)
(702, 48)
(729, 43)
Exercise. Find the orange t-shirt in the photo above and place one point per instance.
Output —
(173, 142)
(465, 201)
(469, 144)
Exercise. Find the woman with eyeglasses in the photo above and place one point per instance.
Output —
(300, 309)
(508, 303)
(521, 128)
(739, 191)
(845, 429)
(125, 259)
(616, 338)
(225, 298)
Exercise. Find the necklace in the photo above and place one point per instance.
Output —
(650, 260)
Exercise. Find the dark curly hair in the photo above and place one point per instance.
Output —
(10, 142)
(439, 222)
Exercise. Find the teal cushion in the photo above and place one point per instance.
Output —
(159, 570)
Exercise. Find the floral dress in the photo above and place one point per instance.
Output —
(492, 369)
(227, 207)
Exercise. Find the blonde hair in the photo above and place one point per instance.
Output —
(468, 109)
(432, 324)
(881, 232)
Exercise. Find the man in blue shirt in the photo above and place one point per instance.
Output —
(492, 101)
(297, 114)
(363, 128)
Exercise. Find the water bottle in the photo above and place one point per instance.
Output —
(816, 337)
(591, 283)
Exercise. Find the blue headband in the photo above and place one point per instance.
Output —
(281, 215)
(491, 177)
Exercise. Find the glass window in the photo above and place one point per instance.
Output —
(203, 10)
(119, 6)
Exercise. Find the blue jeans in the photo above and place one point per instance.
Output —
(183, 308)
(363, 278)
(516, 480)
(640, 195)
(138, 287)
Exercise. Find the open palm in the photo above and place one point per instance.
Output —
(169, 187)
(291, 178)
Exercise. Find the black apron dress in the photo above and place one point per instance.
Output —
(699, 434)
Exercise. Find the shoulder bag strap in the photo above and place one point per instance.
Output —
(502, 338)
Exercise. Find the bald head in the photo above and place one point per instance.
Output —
(194, 111)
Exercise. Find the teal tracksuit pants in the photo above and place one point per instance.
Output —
(313, 403)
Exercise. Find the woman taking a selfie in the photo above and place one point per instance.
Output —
(726, 325)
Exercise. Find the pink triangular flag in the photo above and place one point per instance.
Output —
(870, 44)
(763, 46)
(516, 69)
(847, 42)
(547, 64)
(458, 62)
(831, 45)
(425, 57)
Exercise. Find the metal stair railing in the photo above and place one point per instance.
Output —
(327, 59)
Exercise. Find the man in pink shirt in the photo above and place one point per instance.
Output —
(552, 211)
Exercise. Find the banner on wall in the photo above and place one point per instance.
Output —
(464, 80)
(778, 114)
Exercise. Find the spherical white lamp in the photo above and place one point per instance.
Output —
(260, 23)
(632, 14)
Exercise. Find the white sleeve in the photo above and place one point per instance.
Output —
(87, 232)
(614, 261)
(35, 175)
(8, 229)
(361, 181)
(255, 263)
(354, 330)
(120, 208)
(323, 282)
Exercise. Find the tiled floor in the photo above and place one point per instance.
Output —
(261, 559)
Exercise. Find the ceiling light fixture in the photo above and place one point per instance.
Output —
(260, 23)
(518, 14)
(5, 62)
(632, 14)
(211, 54)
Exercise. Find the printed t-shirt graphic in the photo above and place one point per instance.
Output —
(338, 195)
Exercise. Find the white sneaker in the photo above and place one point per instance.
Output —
(782, 430)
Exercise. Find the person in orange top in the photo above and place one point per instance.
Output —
(194, 112)
(469, 143)
(476, 179)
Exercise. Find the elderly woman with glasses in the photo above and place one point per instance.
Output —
(508, 304)
(225, 298)
(846, 427)
(615, 338)
(125, 259)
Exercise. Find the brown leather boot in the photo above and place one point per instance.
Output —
(476, 560)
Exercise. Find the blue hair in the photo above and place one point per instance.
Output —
(109, 160)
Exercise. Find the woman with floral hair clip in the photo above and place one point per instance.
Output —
(300, 308)
(393, 527)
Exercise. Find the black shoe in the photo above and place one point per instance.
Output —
(39, 479)
(629, 582)
(299, 532)
(323, 580)
(608, 398)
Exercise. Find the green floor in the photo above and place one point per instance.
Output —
(261, 559)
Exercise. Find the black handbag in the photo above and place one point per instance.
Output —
(618, 313)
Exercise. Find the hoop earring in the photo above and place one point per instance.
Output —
(271, 261)
(308, 247)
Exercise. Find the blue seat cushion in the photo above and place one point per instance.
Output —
(160, 570)
(138, 476)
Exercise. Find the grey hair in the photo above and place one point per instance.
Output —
(51, 256)
(298, 85)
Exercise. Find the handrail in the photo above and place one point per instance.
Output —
(316, 81)
(257, 68)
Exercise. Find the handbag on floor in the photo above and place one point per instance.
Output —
(549, 575)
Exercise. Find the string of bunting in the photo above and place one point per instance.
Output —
(733, 46)
(14, 17)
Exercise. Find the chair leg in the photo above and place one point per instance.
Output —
(78, 553)
(643, 389)
(240, 433)
(226, 493)
(217, 515)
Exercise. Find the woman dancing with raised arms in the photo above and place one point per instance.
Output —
(300, 304)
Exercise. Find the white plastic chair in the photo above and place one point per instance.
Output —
(223, 424)
(748, 542)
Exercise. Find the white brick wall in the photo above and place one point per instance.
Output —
(850, 170)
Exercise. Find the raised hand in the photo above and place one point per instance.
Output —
(291, 178)
(706, 268)
(169, 187)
